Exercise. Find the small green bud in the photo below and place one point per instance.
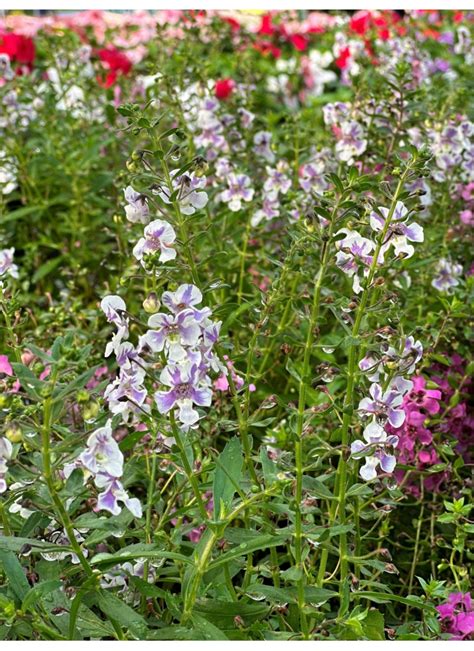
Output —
(90, 410)
(151, 304)
(82, 395)
(200, 166)
(14, 433)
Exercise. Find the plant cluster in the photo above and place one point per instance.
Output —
(236, 288)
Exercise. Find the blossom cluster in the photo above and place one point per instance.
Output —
(419, 433)
(186, 337)
(103, 461)
(457, 616)
(386, 369)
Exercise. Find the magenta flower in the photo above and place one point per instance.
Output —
(422, 398)
(457, 616)
(5, 366)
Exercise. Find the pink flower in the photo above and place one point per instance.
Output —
(457, 615)
(5, 366)
(467, 217)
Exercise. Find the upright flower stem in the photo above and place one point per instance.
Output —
(304, 379)
(339, 505)
(194, 272)
(187, 468)
(50, 482)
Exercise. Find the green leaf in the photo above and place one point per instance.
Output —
(259, 542)
(46, 268)
(380, 598)
(358, 489)
(132, 552)
(208, 630)
(222, 613)
(14, 573)
(126, 616)
(16, 544)
(78, 383)
(34, 594)
(373, 625)
(227, 476)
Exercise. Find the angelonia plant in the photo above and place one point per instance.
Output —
(244, 411)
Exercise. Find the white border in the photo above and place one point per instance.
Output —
(77, 5)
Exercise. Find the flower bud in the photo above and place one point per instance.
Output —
(14, 433)
(90, 410)
(132, 166)
(200, 166)
(151, 304)
(82, 395)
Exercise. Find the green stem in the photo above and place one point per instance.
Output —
(348, 406)
(187, 468)
(305, 379)
(50, 482)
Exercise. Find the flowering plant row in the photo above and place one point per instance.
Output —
(235, 289)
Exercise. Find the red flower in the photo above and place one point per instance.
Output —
(115, 62)
(432, 33)
(266, 26)
(299, 41)
(19, 48)
(360, 22)
(265, 47)
(223, 88)
(343, 58)
(234, 24)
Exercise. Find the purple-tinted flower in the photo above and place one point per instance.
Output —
(137, 210)
(114, 309)
(171, 333)
(277, 180)
(312, 177)
(6, 451)
(113, 494)
(186, 390)
(158, 236)
(262, 141)
(246, 117)
(398, 231)
(447, 275)
(126, 355)
(374, 450)
(223, 167)
(102, 453)
(267, 212)
(6, 263)
(239, 190)
(407, 359)
(184, 298)
(336, 113)
(384, 406)
(191, 196)
(126, 394)
(351, 141)
(353, 252)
